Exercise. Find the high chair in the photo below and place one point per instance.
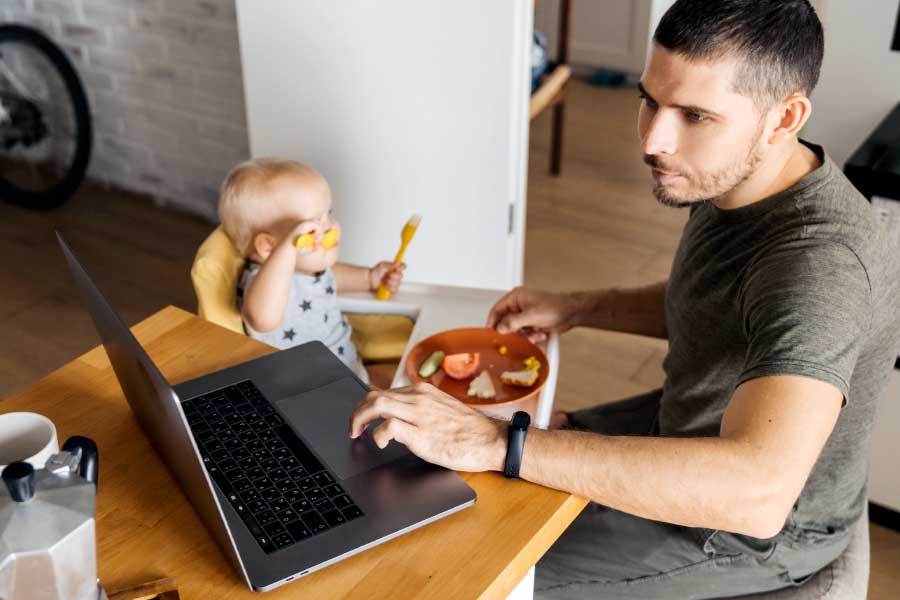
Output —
(215, 272)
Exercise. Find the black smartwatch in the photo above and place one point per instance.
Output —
(518, 427)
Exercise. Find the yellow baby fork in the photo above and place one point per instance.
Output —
(406, 236)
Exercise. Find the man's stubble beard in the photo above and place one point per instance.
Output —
(714, 186)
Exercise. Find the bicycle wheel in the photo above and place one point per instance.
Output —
(45, 121)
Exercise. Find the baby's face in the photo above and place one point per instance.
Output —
(306, 203)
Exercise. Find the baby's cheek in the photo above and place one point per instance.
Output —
(311, 263)
(331, 256)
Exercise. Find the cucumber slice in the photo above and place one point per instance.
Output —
(431, 365)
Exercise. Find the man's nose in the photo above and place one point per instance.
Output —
(661, 136)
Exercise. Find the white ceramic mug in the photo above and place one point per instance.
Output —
(27, 436)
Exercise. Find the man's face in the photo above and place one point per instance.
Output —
(700, 138)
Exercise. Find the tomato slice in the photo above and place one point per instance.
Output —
(461, 366)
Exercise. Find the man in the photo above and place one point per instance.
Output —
(747, 470)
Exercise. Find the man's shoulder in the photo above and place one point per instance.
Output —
(834, 213)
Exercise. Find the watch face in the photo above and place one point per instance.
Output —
(521, 420)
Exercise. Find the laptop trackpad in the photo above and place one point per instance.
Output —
(322, 418)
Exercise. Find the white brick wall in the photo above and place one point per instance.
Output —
(164, 80)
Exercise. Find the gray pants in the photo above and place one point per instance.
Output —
(609, 554)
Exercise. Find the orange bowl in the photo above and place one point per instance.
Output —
(487, 343)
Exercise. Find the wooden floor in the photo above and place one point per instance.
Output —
(596, 225)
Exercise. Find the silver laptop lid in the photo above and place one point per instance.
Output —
(155, 404)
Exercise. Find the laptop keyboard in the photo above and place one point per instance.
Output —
(277, 485)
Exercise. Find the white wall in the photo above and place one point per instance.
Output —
(860, 80)
(164, 82)
(408, 106)
(657, 9)
(605, 33)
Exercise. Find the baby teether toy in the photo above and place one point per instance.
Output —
(306, 240)
(331, 238)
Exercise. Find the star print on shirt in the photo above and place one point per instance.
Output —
(341, 350)
(318, 278)
(289, 335)
(306, 305)
(344, 323)
(329, 290)
(326, 317)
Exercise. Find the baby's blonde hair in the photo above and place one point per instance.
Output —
(243, 210)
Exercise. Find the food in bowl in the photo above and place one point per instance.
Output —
(461, 366)
(431, 364)
(482, 386)
(532, 364)
(523, 378)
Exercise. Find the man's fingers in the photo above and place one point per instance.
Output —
(504, 305)
(513, 322)
(379, 405)
(537, 337)
(393, 429)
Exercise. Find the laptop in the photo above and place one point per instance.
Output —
(262, 452)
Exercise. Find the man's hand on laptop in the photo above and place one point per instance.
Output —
(434, 426)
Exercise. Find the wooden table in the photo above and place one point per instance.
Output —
(147, 529)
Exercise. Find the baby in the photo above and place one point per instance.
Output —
(278, 215)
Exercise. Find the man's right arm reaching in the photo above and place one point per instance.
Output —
(535, 313)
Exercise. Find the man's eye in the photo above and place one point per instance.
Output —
(697, 117)
(648, 100)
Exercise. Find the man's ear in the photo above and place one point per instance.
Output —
(790, 116)
(263, 244)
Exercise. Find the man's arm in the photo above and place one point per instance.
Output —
(640, 311)
(744, 481)
(536, 313)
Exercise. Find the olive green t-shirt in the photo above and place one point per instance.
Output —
(807, 283)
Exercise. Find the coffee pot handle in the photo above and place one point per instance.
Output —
(90, 456)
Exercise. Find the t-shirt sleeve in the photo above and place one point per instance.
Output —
(805, 308)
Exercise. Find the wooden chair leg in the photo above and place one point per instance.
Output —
(556, 139)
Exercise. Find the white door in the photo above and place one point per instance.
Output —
(406, 106)
(605, 33)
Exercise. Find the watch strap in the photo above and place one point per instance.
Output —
(515, 445)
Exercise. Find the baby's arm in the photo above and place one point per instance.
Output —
(266, 298)
(350, 278)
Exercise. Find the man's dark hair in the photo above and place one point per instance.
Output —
(779, 43)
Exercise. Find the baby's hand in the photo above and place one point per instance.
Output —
(391, 274)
